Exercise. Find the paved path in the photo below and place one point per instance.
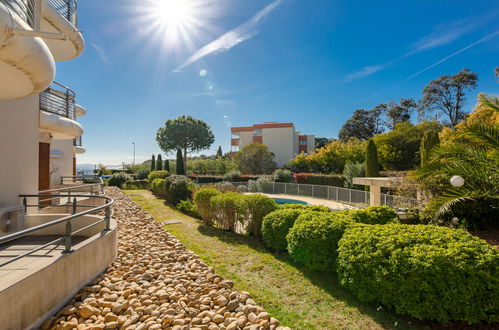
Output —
(313, 201)
(156, 283)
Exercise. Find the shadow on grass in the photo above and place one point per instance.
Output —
(330, 284)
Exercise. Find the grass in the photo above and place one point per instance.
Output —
(298, 298)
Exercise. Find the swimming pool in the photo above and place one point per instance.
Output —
(289, 201)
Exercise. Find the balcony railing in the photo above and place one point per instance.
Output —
(58, 99)
(25, 9)
(77, 142)
(67, 9)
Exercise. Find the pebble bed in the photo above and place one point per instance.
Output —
(156, 283)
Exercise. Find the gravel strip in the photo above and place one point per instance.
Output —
(156, 283)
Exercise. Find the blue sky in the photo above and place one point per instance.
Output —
(239, 62)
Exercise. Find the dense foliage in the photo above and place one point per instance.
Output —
(136, 184)
(276, 225)
(255, 158)
(188, 208)
(118, 179)
(283, 175)
(202, 200)
(178, 188)
(158, 187)
(372, 164)
(313, 239)
(153, 175)
(320, 179)
(373, 215)
(427, 272)
(258, 206)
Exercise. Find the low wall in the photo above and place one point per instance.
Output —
(31, 300)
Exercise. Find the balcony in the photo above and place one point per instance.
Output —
(25, 9)
(77, 146)
(234, 142)
(57, 112)
(67, 9)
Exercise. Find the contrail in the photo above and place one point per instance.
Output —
(493, 34)
(232, 38)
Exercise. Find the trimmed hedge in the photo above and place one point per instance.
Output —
(313, 240)
(275, 227)
(428, 272)
(202, 200)
(258, 206)
(188, 208)
(320, 208)
(335, 180)
(158, 187)
(229, 209)
(118, 179)
(374, 215)
(153, 175)
(205, 178)
(137, 184)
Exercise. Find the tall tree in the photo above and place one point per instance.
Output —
(153, 163)
(430, 139)
(363, 125)
(159, 163)
(255, 158)
(321, 142)
(396, 113)
(372, 164)
(167, 165)
(446, 96)
(219, 152)
(180, 163)
(187, 133)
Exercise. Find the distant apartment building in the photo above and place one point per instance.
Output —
(281, 138)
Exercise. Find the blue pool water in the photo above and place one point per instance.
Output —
(289, 201)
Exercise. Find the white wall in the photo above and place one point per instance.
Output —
(281, 142)
(245, 138)
(62, 166)
(19, 121)
(310, 144)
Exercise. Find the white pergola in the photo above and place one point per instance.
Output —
(375, 185)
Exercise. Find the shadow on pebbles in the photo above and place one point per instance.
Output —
(156, 283)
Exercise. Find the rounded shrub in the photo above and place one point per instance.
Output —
(275, 227)
(313, 240)
(153, 175)
(258, 206)
(232, 176)
(283, 175)
(158, 187)
(136, 184)
(374, 215)
(225, 186)
(242, 188)
(178, 188)
(319, 208)
(428, 272)
(118, 179)
(202, 199)
(142, 174)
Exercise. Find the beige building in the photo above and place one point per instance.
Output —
(281, 138)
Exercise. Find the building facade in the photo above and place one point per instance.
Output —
(282, 139)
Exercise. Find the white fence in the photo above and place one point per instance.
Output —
(345, 195)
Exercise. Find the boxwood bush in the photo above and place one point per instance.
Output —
(188, 208)
(335, 180)
(313, 240)
(428, 272)
(158, 187)
(202, 200)
(118, 179)
(275, 227)
(374, 215)
(229, 209)
(153, 175)
(320, 208)
(258, 206)
(137, 184)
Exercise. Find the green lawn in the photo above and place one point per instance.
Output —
(296, 297)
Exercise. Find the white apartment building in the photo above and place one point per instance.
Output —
(53, 240)
(282, 139)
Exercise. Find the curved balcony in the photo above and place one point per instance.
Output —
(27, 66)
(57, 113)
(60, 16)
(77, 146)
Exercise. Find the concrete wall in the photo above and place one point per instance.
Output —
(280, 141)
(62, 166)
(27, 303)
(310, 144)
(245, 138)
(19, 137)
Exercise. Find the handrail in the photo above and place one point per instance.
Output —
(61, 102)
(67, 219)
(67, 9)
(77, 141)
(25, 9)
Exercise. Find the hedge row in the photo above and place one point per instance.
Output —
(334, 180)
(233, 211)
(428, 272)
(174, 188)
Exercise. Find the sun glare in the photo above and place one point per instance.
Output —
(174, 12)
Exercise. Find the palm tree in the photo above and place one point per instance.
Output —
(474, 155)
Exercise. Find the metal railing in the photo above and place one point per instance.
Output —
(68, 220)
(81, 179)
(344, 195)
(60, 101)
(25, 9)
(77, 142)
(67, 9)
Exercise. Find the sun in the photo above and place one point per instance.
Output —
(174, 12)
